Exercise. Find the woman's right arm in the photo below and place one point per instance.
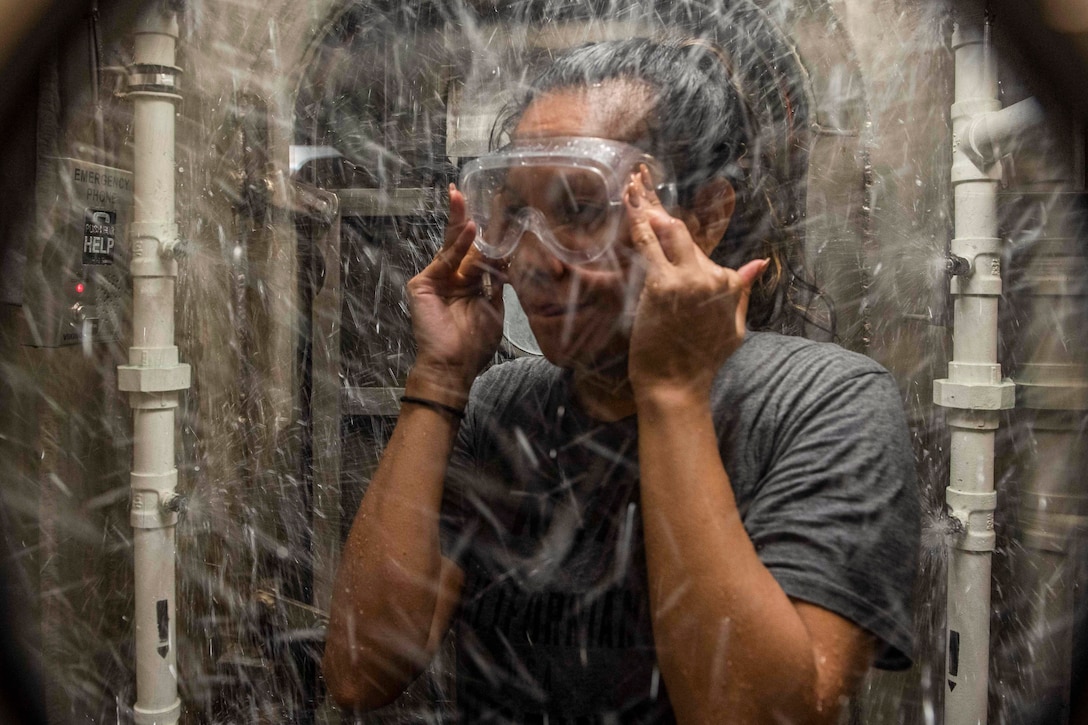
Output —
(394, 592)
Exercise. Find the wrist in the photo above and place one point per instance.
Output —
(440, 384)
(661, 399)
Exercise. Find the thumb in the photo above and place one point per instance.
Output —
(751, 271)
(748, 274)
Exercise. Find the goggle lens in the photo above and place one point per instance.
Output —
(571, 212)
(572, 203)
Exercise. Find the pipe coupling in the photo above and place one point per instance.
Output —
(975, 513)
(966, 171)
(166, 716)
(965, 395)
(968, 28)
(153, 249)
(152, 494)
(153, 402)
(149, 79)
(983, 257)
(137, 379)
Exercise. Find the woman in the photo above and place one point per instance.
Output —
(664, 519)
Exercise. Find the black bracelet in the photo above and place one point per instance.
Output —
(434, 405)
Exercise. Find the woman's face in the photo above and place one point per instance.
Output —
(581, 315)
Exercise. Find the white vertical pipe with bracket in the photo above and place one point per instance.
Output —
(154, 377)
(974, 391)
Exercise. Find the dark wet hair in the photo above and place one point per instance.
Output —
(727, 100)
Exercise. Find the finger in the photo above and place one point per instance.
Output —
(674, 237)
(458, 217)
(745, 278)
(742, 309)
(672, 234)
(645, 182)
(451, 255)
(475, 264)
(751, 271)
(653, 225)
(648, 184)
(643, 238)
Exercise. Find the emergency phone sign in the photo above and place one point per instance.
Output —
(99, 236)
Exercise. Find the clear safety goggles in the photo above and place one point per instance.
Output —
(565, 191)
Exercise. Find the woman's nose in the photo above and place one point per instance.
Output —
(533, 260)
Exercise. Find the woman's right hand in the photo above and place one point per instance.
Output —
(456, 327)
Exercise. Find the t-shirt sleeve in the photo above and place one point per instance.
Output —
(836, 517)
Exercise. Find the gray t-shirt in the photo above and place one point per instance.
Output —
(541, 510)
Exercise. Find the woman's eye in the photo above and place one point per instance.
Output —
(510, 211)
(586, 214)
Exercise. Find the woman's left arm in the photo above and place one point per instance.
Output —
(732, 646)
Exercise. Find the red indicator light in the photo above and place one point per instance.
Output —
(80, 287)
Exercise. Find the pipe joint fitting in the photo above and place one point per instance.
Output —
(975, 513)
(973, 420)
(137, 379)
(965, 170)
(968, 30)
(971, 247)
(165, 400)
(152, 79)
(154, 500)
(999, 133)
(965, 372)
(983, 257)
(165, 716)
(151, 518)
(153, 357)
(976, 284)
(965, 395)
(966, 110)
(159, 21)
(154, 246)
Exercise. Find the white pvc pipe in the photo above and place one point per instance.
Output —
(993, 135)
(153, 376)
(153, 322)
(974, 390)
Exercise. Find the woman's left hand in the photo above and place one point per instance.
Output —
(691, 312)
